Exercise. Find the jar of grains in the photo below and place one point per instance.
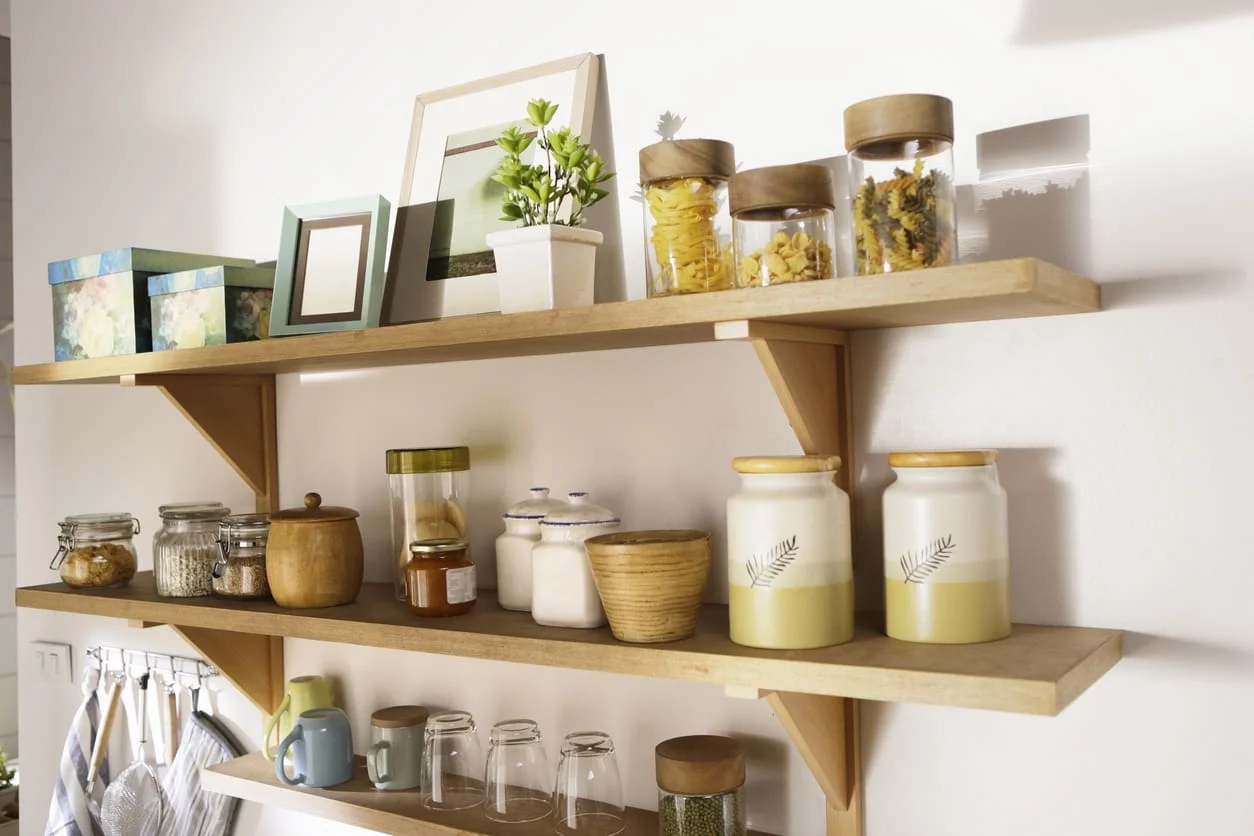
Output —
(686, 222)
(96, 550)
(700, 784)
(430, 490)
(784, 224)
(186, 547)
(901, 179)
(240, 571)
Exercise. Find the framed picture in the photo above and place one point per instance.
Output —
(329, 276)
(447, 189)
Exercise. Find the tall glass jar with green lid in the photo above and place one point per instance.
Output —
(430, 490)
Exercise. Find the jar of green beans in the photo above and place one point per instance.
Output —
(700, 782)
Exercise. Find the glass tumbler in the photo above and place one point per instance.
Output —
(452, 763)
(518, 776)
(589, 794)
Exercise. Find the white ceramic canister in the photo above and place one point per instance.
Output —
(563, 592)
(789, 560)
(513, 548)
(946, 549)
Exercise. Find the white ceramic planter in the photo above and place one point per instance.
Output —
(541, 268)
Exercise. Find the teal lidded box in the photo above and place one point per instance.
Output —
(210, 306)
(100, 302)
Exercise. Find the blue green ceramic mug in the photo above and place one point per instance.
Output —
(322, 749)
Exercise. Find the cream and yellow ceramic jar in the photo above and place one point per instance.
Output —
(788, 553)
(946, 549)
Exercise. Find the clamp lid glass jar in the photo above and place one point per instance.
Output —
(901, 179)
(686, 223)
(186, 547)
(700, 781)
(240, 571)
(784, 224)
(96, 550)
(430, 492)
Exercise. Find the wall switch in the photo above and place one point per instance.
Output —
(54, 661)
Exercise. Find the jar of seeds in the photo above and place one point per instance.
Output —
(700, 782)
(240, 571)
(186, 547)
(901, 179)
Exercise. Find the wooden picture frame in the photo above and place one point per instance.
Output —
(470, 114)
(354, 299)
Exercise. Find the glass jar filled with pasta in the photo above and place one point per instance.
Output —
(901, 180)
(686, 223)
(784, 224)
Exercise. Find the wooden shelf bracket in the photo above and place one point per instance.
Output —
(827, 735)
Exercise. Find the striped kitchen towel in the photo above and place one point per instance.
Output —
(69, 814)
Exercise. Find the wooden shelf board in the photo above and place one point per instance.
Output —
(1037, 670)
(1009, 289)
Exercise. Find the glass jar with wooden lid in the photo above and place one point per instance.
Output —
(783, 224)
(440, 578)
(686, 222)
(946, 548)
(700, 783)
(901, 181)
(430, 492)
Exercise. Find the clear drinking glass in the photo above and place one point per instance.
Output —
(588, 798)
(518, 776)
(452, 763)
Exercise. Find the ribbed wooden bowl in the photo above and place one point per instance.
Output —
(651, 582)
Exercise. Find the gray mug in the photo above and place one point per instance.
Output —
(322, 749)
(394, 759)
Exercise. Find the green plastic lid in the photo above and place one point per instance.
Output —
(429, 460)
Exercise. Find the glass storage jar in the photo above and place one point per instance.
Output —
(901, 179)
(240, 571)
(185, 549)
(687, 227)
(700, 785)
(789, 561)
(783, 224)
(440, 578)
(96, 550)
(946, 549)
(430, 491)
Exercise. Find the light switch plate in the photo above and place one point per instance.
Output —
(54, 661)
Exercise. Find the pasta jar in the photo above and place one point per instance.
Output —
(790, 569)
(513, 548)
(186, 548)
(901, 179)
(430, 489)
(686, 222)
(96, 550)
(946, 549)
(783, 224)
(700, 783)
(240, 571)
(441, 578)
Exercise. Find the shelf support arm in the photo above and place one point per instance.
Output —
(826, 732)
(252, 663)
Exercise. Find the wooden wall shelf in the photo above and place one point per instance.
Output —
(1038, 670)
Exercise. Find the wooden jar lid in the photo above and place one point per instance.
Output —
(786, 464)
(314, 512)
(782, 186)
(902, 117)
(700, 764)
(943, 458)
(676, 158)
(399, 717)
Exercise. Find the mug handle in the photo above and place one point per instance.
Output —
(280, 771)
(286, 705)
(377, 757)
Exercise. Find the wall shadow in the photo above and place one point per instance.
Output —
(767, 782)
(1039, 512)
(611, 274)
(1226, 661)
(1162, 291)
(1057, 21)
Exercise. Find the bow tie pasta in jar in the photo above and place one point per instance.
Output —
(784, 224)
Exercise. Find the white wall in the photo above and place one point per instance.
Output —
(1126, 433)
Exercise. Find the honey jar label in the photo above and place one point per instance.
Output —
(462, 588)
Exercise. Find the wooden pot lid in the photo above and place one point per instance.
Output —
(901, 117)
(314, 511)
(700, 764)
(399, 717)
(786, 464)
(943, 458)
(677, 158)
(782, 186)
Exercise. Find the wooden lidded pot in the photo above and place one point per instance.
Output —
(314, 557)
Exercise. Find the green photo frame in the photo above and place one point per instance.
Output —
(329, 276)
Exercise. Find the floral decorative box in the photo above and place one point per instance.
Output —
(100, 303)
(210, 306)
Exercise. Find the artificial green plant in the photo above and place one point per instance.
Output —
(557, 190)
(6, 774)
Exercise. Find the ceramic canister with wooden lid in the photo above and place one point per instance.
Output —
(700, 782)
(946, 548)
(394, 759)
(783, 224)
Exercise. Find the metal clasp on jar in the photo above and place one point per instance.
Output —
(224, 548)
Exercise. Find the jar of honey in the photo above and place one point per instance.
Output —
(440, 578)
